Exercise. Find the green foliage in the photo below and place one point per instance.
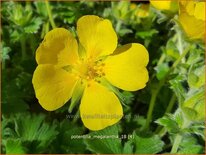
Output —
(176, 84)
(190, 146)
(170, 123)
(14, 146)
(109, 141)
(65, 143)
(37, 131)
(4, 53)
(12, 100)
(151, 145)
(30, 132)
(162, 71)
(110, 144)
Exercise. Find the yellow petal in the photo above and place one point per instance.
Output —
(99, 107)
(200, 11)
(127, 69)
(194, 28)
(96, 35)
(53, 86)
(161, 5)
(190, 7)
(58, 46)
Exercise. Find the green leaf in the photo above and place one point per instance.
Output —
(194, 96)
(171, 49)
(4, 53)
(189, 113)
(178, 117)
(150, 145)
(195, 103)
(14, 146)
(128, 96)
(33, 26)
(169, 123)
(104, 141)
(196, 55)
(67, 141)
(124, 31)
(41, 7)
(146, 34)
(161, 70)
(12, 98)
(128, 147)
(7, 132)
(15, 36)
(189, 146)
(196, 76)
(178, 88)
(198, 129)
(33, 129)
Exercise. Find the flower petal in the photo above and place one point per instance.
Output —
(96, 35)
(127, 69)
(99, 107)
(190, 7)
(194, 28)
(200, 11)
(59, 45)
(161, 5)
(53, 86)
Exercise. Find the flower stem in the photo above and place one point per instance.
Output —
(50, 14)
(180, 58)
(176, 144)
(171, 103)
(152, 104)
(161, 60)
(118, 26)
(161, 130)
(178, 137)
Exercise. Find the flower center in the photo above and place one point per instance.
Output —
(89, 70)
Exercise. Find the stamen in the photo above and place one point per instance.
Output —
(88, 69)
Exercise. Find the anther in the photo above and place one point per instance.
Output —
(103, 64)
(87, 78)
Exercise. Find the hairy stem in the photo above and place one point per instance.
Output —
(178, 137)
(171, 103)
(160, 130)
(176, 144)
(50, 14)
(118, 25)
(152, 104)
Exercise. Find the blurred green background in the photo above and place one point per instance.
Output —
(176, 84)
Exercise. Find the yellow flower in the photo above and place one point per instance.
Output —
(143, 11)
(65, 66)
(192, 18)
(133, 6)
(169, 5)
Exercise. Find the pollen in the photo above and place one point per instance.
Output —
(89, 70)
